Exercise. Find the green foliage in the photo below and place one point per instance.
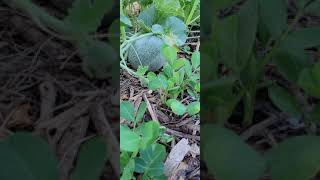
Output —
(24, 156)
(238, 47)
(140, 150)
(83, 18)
(295, 158)
(178, 77)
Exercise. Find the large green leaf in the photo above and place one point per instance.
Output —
(247, 28)
(151, 160)
(285, 101)
(303, 38)
(27, 157)
(86, 15)
(167, 8)
(127, 111)
(92, 158)
(227, 156)
(309, 80)
(313, 8)
(295, 159)
(226, 35)
(274, 16)
(175, 31)
(129, 140)
(290, 62)
(150, 133)
(128, 170)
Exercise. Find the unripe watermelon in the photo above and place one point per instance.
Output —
(147, 52)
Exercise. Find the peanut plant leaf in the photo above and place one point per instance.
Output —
(309, 80)
(274, 15)
(127, 111)
(248, 15)
(226, 36)
(195, 59)
(141, 110)
(295, 159)
(150, 133)
(92, 158)
(24, 156)
(303, 38)
(85, 16)
(177, 107)
(129, 140)
(151, 160)
(193, 108)
(290, 62)
(230, 152)
(128, 170)
(285, 101)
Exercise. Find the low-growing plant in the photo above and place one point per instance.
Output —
(236, 51)
(24, 156)
(83, 19)
(141, 150)
(178, 78)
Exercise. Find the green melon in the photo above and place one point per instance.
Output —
(147, 52)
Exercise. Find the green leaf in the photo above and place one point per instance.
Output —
(124, 160)
(129, 140)
(285, 101)
(177, 107)
(127, 111)
(128, 170)
(193, 108)
(169, 8)
(150, 133)
(195, 59)
(157, 29)
(227, 40)
(148, 16)
(125, 20)
(274, 16)
(158, 83)
(97, 58)
(248, 15)
(290, 62)
(27, 157)
(85, 16)
(295, 159)
(230, 152)
(142, 70)
(176, 31)
(92, 158)
(141, 110)
(151, 160)
(309, 80)
(178, 63)
(169, 53)
(303, 38)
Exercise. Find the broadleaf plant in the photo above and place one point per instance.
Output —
(84, 18)
(25, 156)
(140, 147)
(246, 41)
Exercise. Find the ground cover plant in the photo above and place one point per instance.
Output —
(262, 83)
(160, 59)
(61, 64)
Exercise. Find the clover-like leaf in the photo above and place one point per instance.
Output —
(129, 140)
(285, 101)
(151, 160)
(85, 16)
(193, 108)
(24, 156)
(127, 111)
(223, 150)
(295, 158)
(92, 158)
